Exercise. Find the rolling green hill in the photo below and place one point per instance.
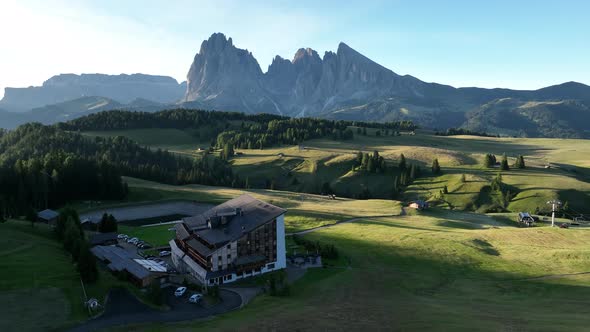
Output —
(564, 118)
(325, 160)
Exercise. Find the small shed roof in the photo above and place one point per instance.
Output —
(102, 238)
(47, 214)
(121, 259)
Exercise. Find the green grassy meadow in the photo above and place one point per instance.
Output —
(450, 268)
(38, 276)
(437, 271)
(324, 160)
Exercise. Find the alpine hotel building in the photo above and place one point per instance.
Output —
(240, 238)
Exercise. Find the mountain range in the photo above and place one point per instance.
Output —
(66, 87)
(340, 85)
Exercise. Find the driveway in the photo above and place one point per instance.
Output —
(122, 308)
(144, 211)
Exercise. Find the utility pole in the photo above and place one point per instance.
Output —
(554, 206)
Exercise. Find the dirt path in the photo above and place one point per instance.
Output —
(556, 276)
(340, 222)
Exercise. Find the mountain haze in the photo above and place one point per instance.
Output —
(65, 87)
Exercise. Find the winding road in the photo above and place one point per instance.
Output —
(122, 308)
(310, 230)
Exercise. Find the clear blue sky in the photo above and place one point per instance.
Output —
(513, 44)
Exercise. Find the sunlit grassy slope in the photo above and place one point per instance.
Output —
(304, 210)
(305, 170)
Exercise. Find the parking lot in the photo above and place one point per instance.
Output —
(181, 303)
(123, 308)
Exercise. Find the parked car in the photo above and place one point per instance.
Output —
(564, 225)
(195, 298)
(146, 246)
(165, 253)
(122, 236)
(139, 243)
(180, 291)
(132, 240)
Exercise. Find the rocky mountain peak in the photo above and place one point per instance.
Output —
(217, 43)
(306, 54)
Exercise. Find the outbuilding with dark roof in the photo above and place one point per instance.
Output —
(47, 216)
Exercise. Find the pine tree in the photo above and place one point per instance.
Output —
(370, 165)
(520, 162)
(395, 188)
(445, 190)
(365, 161)
(402, 162)
(72, 234)
(87, 264)
(359, 158)
(489, 160)
(504, 163)
(413, 173)
(435, 167)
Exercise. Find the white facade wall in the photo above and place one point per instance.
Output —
(281, 247)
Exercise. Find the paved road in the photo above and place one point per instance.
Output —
(122, 308)
(310, 230)
(148, 211)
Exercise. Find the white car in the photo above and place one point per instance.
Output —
(133, 240)
(195, 298)
(165, 253)
(180, 291)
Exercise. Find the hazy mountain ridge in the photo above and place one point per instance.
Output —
(73, 109)
(122, 88)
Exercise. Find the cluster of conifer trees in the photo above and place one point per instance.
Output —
(240, 130)
(44, 166)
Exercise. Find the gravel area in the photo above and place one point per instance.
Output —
(148, 211)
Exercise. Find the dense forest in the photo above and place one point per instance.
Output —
(44, 166)
(463, 131)
(237, 129)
